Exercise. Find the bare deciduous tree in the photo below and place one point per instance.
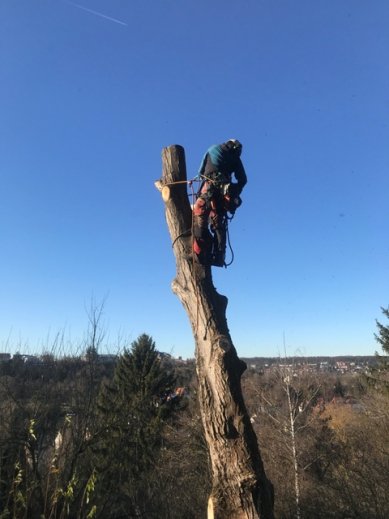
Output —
(240, 488)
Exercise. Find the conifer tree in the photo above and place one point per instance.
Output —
(383, 333)
(381, 373)
(131, 416)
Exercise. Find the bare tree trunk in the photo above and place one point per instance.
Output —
(292, 419)
(240, 488)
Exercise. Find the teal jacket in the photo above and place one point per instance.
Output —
(221, 159)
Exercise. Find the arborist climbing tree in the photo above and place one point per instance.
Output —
(240, 488)
(217, 200)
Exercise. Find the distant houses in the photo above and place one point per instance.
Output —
(312, 364)
(338, 365)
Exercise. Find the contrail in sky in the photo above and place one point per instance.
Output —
(94, 12)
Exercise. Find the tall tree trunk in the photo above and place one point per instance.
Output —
(292, 419)
(240, 488)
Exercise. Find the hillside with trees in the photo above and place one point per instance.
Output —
(98, 437)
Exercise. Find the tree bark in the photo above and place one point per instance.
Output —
(240, 488)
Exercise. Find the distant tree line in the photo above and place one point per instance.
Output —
(83, 439)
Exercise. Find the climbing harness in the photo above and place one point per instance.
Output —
(216, 199)
(230, 202)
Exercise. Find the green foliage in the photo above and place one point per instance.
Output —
(132, 411)
(82, 439)
(382, 337)
(379, 376)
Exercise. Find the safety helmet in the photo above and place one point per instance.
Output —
(234, 144)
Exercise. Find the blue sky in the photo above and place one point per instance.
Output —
(90, 93)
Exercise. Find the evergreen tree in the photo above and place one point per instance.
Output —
(380, 375)
(383, 332)
(131, 410)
